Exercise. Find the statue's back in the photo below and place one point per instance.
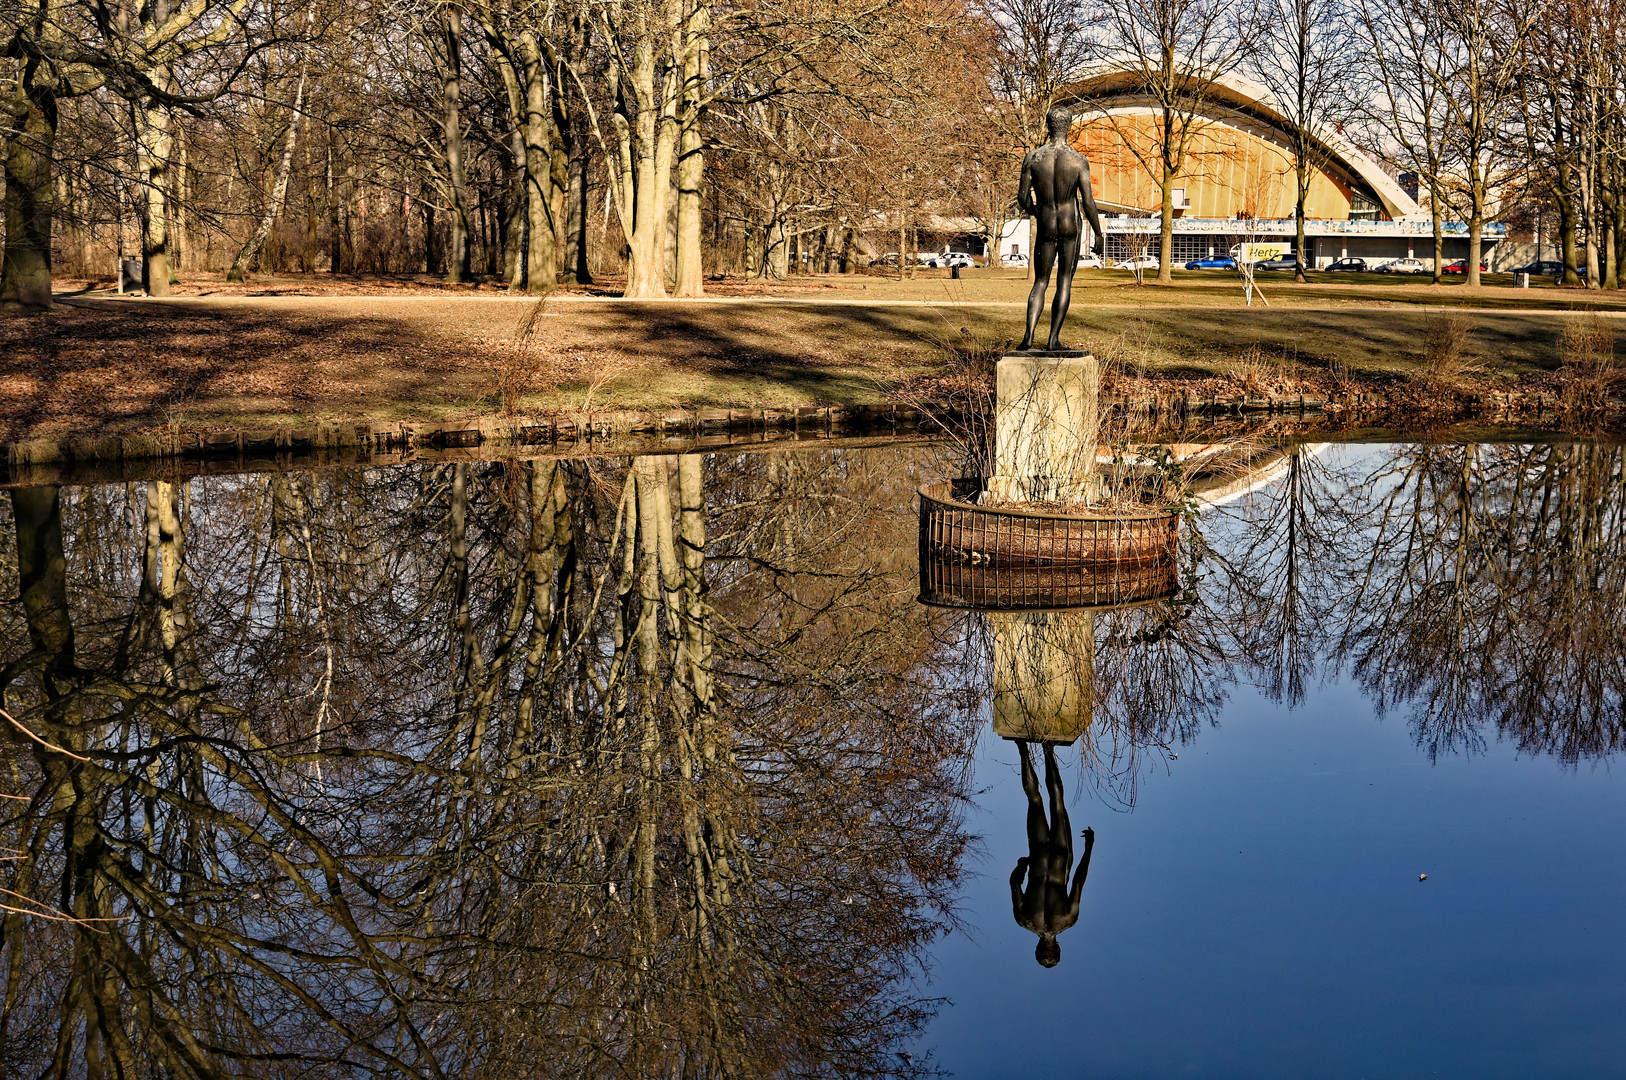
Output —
(1056, 175)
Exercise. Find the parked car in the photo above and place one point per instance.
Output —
(1019, 261)
(1461, 267)
(1213, 262)
(1356, 265)
(889, 259)
(1290, 261)
(947, 260)
(1544, 268)
(1139, 262)
(1090, 262)
(1403, 266)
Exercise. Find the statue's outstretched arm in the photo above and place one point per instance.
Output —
(1091, 214)
(1077, 891)
(1016, 885)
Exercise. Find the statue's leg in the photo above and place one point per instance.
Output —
(1044, 257)
(1067, 256)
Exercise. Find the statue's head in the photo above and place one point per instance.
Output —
(1058, 121)
(1048, 951)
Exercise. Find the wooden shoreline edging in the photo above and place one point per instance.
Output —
(608, 432)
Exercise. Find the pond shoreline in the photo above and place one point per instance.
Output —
(179, 450)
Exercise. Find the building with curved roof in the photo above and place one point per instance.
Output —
(1237, 182)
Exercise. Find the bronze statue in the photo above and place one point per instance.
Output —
(1049, 904)
(1055, 181)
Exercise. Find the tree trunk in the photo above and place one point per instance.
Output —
(646, 121)
(310, 213)
(154, 141)
(1589, 216)
(1566, 239)
(1165, 232)
(183, 199)
(560, 137)
(1618, 233)
(689, 275)
(25, 271)
(541, 233)
(457, 260)
(273, 205)
(1302, 175)
(1476, 226)
(1434, 202)
(576, 270)
(516, 237)
(335, 238)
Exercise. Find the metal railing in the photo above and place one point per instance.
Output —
(954, 531)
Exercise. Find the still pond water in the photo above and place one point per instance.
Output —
(658, 766)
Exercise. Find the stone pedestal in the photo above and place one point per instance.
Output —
(1044, 674)
(1045, 428)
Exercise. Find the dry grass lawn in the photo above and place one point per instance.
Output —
(292, 351)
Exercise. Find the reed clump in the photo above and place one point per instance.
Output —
(1589, 375)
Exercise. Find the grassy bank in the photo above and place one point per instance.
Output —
(98, 366)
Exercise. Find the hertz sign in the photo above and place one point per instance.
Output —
(1254, 253)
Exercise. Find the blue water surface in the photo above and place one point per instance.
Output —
(1258, 912)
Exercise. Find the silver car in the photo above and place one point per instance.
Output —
(1404, 266)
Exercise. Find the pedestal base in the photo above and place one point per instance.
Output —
(1045, 428)
(1044, 675)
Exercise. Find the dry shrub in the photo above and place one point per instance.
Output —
(1123, 358)
(528, 367)
(1342, 374)
(960, 400)
(1445, 339)
(1588, 372)
(1262, 372)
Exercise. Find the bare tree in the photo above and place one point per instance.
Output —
(61, 50)
(1175, 50)
(1302, 57)
(1403, 43)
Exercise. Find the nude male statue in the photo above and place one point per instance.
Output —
(1049, 904)
(1055, 181)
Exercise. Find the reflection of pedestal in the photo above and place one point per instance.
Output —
(1045, 429)
(1044, 674)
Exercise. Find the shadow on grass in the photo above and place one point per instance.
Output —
(126, 365)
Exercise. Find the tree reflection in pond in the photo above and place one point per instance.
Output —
(1482, 587)
(475, 770)
(651, 766)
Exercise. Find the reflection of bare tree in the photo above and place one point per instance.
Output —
(1479, 585)
(1283, 578)
(475, 769)
(1492, 591)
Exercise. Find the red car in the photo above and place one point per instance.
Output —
(1460, 267)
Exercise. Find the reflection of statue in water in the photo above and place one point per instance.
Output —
(1055, 186)
(1049, 904)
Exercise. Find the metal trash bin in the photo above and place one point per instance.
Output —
(129, 275)
(1521, 281)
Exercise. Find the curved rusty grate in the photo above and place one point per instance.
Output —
(954, 531)
(1040, 588)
